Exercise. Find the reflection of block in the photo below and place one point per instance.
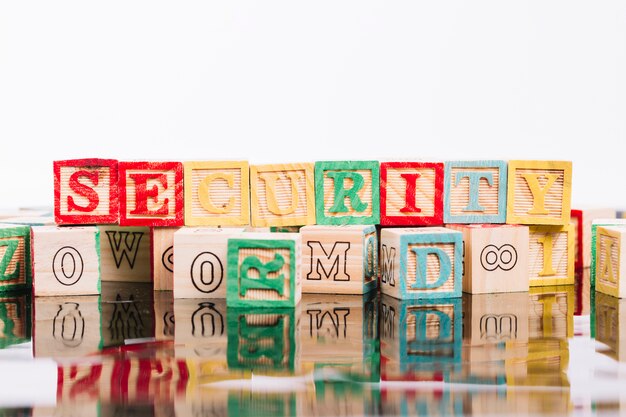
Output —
(127, 312)
(15, 319)
(496, 318)
(582, 220)
(339, 259)
(475, 192)
(217, 193)
(85, 191)
(66, 260)
(610, 312)
(151, 193)
(200, 261)
(164, 324)
(582, 290)
(495, 258)
(259, 403)
(347, 192)
(80, 382)
(539, 192)
(610, 264)
(551, 312)
(15, 262)
(421, 262)
(201, 329)
(547, 364)
(282, 195)
(411, 193)
(594, 227)
(125, 253)
(264, 270)
(551, 255)
(162, 255)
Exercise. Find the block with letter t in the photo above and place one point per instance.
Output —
(422, 262)
(15, 262)
(85, 191)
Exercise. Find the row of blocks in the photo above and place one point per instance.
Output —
(209, 193)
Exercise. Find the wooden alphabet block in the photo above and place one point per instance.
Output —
(127, 312)
(421, 262)
(66, 260)
(582, 219)
(475, 192)
(264, 270)
(347, 192)
(610, 264)
(200, 261)
(15, 319)
(15, 252)
(201, 329)
(282, 194)
(495, 258)
(551, 255)
(610, 318)
(217, 193)
(539, 192)
(411, 193)
(162, 256)
(339, 259)
(151, 193)
(594, 233)
(85, 191)
(125, 254)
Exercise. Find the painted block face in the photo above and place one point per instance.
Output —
(551, 312)
(85, 191)
(347, 192)
(264, 271)
(15, 264)
(411, 193)
(151, 193)
(475, 192)
(162, 255)
(125, 254)
(539, 192)
(339, 259)
(201, 329)
(495, 258)
(282, 195)
(610, 314)
(200, 261)
(66, 260)
(594, 234)
(582, 220)
(610, 265)
(217, 193)
(551, 255)
(15, 319)
(421, 262)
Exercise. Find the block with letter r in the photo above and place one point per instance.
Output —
(15, 263)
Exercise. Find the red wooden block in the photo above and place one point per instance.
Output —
(151, 193)
(577, 218)
(411, 193)
(85, 191)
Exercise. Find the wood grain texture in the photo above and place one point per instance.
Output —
(282, 194)
(551, 312)
(539, 192)
(164, 322)
(610, 264)
(66, 260)
(217, 193)
(610, 317)
(15, 254)
(584, 218)
(162, 257)
(557, 241)
(201, 329)
(594, 227)
(125, 254)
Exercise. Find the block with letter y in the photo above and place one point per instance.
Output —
(15, 265)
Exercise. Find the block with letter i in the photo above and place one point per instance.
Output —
(151, 193)
(421, 262)
(15, 253)
(86, 191)
(610, 264)
(66, 260)
(475, 192)
(264, 270)
(339, 259)
(411, 193)
(539, 192)
(551, 255)
(217, 193)
(347, 192)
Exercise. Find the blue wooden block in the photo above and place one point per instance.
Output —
(475, 192)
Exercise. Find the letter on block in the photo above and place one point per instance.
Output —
(15, 264)
(125, 254)
(347, 192)
(200, 261)
(475, 192)
(610, 264)
(551, 312)
(282, 195)
(339, 259)
(582, 219)
(411, 193)
(610, 318)
(162, 246)
(151, 193)
(217, 193)
(551, 255)
(15, 319)
(495, 258)
(85, 191)
(421, 262)
(200, 330)
(594, 234)
(539, 192)
(66, 260)
(263, 270)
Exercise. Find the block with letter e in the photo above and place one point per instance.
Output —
(264, 270)
(85, 191)
(15, 253)
(610, 264)
(551, 255)
(422, 262)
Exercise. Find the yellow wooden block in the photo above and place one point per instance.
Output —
(610, 314)
(282, 194)
(125, 253)
(610, 266)
(201, 329)
(217, 193)
(163, 257)
(551, 255)
(539, 192)
(551, 312)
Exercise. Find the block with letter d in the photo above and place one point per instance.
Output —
(263, 270)
(15, 265)
(421, 262)
(610, 264)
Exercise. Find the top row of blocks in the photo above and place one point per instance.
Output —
(211, 193)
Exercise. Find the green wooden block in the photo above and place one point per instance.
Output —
(15, 266)
(15, 319)
(347, 192)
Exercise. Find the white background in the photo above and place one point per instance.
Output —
(277, 81)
